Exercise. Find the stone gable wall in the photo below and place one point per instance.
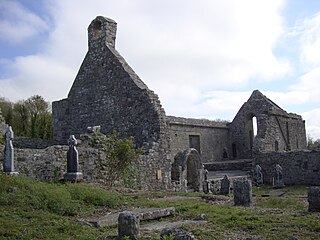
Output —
(273, 125)
(108, 93)
(299, 167)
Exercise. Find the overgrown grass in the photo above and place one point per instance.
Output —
(31, 209)
(61, 199)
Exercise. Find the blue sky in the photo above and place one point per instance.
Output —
(203, 58)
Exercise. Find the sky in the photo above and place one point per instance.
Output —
(203, 58)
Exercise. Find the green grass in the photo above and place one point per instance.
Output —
(31, 209)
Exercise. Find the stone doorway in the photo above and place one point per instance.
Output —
(187, 170)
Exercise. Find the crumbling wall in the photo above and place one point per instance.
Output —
(277, 130)
(212, 135)
(108, 93)
(299, 167)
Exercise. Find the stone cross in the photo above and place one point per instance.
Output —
(128, 225)
(73, 172)
(258, 175)
(242, 193)
(72, 155)
(8, 164)
(225, 185)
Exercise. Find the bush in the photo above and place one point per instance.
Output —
(119, 156)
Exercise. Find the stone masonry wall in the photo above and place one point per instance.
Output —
(49, 164)
(213, 136)
(108, 93)
(276, 129)
(299, 167)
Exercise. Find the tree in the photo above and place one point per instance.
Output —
(30, 118)
(38, 108)
(313, 144)
(6, 108)
(21, 119)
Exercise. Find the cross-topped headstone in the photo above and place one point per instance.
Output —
(73, 172)
(8, 164)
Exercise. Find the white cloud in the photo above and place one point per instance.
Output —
(17, 23)
(312, 123)
(308, 31)
(200, 46)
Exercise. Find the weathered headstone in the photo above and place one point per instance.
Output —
(242, 190)
(178, 234)
(128, 225)
(314, 199)
(8, 163)
(258, 176)
(279, 177)
(73, 170)
(225, 185)
(206, 184)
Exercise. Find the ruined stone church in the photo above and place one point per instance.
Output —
(108, 93)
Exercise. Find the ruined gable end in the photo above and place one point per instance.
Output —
(276, 129)
(108, 93)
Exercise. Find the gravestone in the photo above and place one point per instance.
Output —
(128, 225)
(314, 199)
(258, 176)
(225, 185)
(206, 184)
(178, 234)
(279, 177)
(73, 169)
(8, 163)
(242, 193)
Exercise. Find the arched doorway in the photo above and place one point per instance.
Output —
(187, 168)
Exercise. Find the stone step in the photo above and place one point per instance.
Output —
(240, 164)
(111, 219)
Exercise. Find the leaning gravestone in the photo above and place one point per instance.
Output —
(242, 190)
(314, 199)
(128, 226)
(225, 185)
(73, 169)
(8, 163)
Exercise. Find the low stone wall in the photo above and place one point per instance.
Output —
(49, 164)
(25, 142)
(241, 164)
(299, 167)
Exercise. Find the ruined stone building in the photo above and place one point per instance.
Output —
(108, 93)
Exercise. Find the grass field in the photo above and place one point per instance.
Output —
(31, 209)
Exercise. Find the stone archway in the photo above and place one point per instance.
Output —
(187, 169)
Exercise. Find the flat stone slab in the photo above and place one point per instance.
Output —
(111, 219)
(175, 198)
(167, 225)
(273, 194)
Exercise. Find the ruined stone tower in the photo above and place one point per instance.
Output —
(108, 93)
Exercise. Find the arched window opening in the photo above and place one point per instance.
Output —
(255, 126)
